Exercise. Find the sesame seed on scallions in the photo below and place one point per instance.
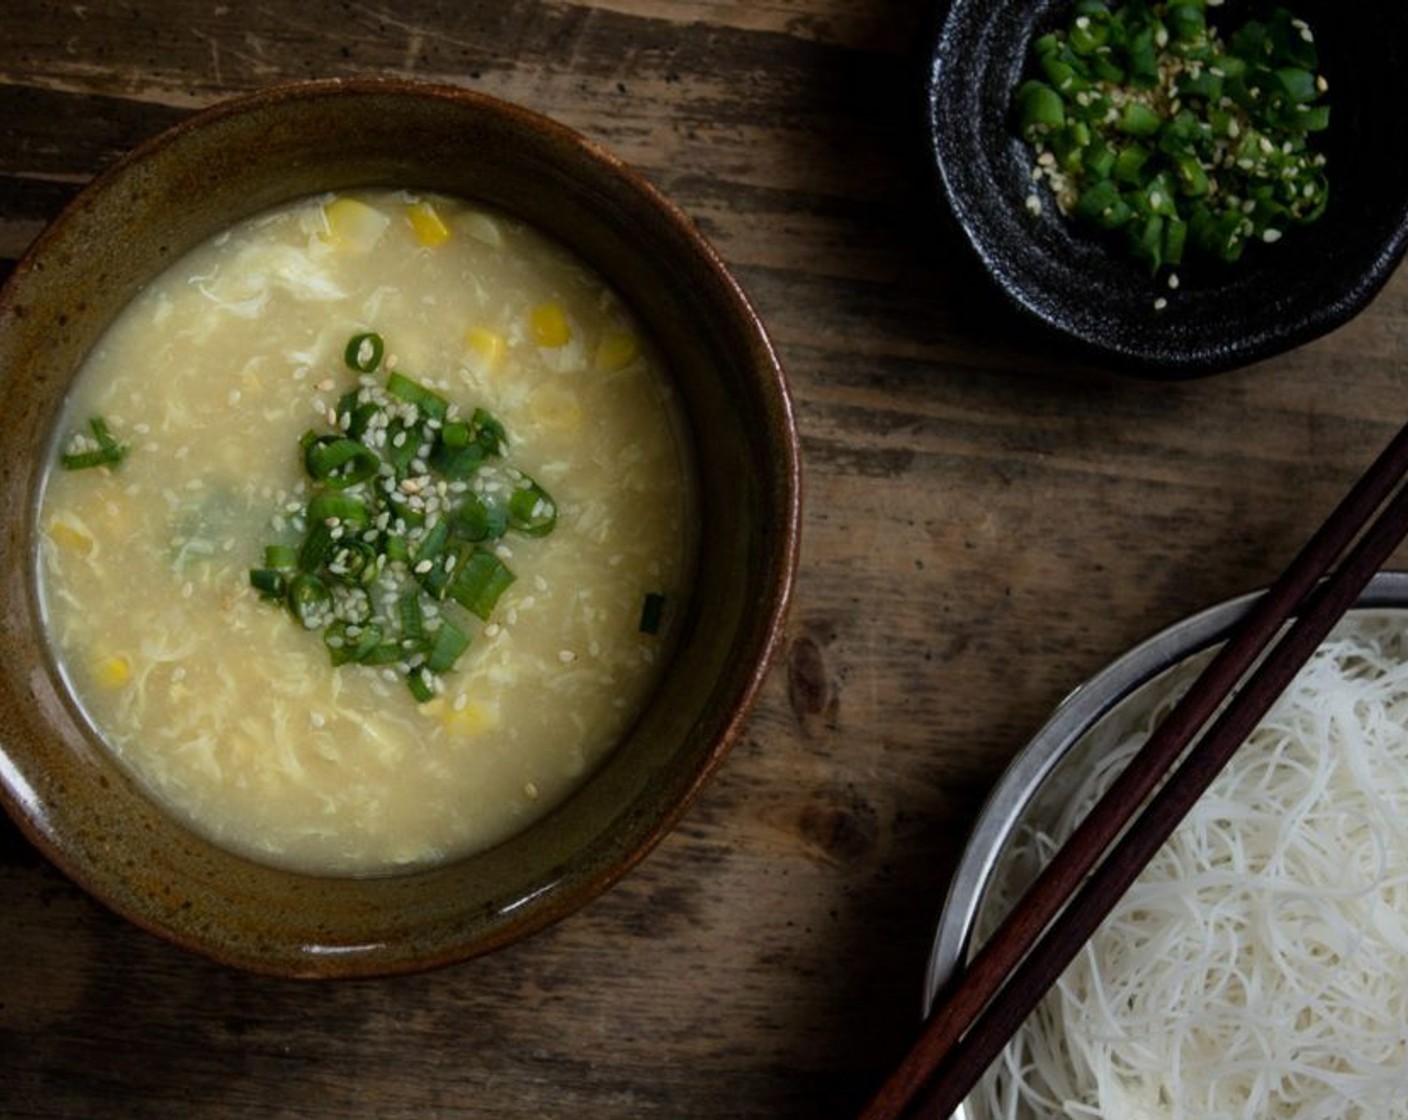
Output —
(406, 501)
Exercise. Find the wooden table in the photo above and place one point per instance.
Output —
(987, 523)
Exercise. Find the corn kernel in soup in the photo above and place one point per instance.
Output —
(230, 712)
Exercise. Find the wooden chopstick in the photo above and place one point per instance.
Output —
(985, 1005)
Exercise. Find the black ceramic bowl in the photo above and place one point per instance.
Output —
(1087, 291)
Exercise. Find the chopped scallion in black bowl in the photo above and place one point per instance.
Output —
(1124, 302)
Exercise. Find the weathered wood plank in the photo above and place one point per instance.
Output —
(988, 521)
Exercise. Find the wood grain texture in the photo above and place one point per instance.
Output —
(987, 523)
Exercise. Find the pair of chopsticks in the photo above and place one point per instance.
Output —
(983, 1007)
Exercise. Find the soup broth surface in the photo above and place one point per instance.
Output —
(216, 698)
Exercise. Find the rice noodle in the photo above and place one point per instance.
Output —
(1259, 966)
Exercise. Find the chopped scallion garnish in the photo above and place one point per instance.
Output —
(101, 450)
(530, 510)
(340, 462)
(479, 519)
(429, 402)
(652, 612)
(310, 600)
(404, 493)
(269, 583)
(421, 683)
(481, 579)
(449, 642)
(1149, 124)
(364, 352)
(280, 557)
(342, 508)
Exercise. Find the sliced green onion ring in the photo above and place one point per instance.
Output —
(309, 599)
(340, 462)
(364, 351)
(531, 510)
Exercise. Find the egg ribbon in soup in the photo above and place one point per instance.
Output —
(189, 414)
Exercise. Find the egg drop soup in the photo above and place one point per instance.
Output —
(223, 700)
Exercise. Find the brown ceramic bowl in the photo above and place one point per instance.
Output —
(62, 786)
